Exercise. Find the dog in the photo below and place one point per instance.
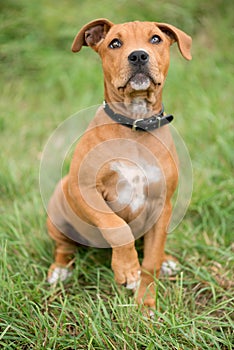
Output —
(124, 170)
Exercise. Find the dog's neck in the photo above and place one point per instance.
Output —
(156, 121)
(134, 104)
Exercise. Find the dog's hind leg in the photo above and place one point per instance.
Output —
(65, 250)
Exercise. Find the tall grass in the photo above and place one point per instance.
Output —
(42, 83)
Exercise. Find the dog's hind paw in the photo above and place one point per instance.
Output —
(169, 268)
(58, 274)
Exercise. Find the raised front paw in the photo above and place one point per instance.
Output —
(128, 277)
(133, 281)
(126, 266)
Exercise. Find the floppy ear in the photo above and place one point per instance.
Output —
(183, 40)
(91, 34)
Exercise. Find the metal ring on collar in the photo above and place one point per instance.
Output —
(134, 125)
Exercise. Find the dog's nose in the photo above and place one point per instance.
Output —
(138, 57)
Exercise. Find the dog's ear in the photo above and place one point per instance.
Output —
(91, 34)
(183, 40)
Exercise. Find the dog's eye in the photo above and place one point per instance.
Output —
(115, 44)
(155, 39)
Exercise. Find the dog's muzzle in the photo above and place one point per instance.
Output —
(140, 79)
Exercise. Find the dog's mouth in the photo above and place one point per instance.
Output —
(140, 81)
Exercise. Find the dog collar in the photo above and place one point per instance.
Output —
(145, 124)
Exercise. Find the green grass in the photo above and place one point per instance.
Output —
(42, 83)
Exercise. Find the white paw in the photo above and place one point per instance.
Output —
(59, 274)
(169, 268)
(134, 284)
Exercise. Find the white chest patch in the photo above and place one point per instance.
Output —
(133, 181)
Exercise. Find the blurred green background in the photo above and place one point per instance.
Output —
(42, 83)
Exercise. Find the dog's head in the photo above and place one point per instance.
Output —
(135, 56)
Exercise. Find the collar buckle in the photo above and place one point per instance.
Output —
(134, 125)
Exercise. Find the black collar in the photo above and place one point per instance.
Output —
(146, 124)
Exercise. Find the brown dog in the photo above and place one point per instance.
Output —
(124, 169)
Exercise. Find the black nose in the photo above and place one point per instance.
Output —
(138, 57)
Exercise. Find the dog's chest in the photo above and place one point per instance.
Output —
(134, 185)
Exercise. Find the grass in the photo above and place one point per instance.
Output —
(42, 83)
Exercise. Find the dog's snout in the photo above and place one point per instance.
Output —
(138, 57)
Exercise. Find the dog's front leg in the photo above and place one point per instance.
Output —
(126, 266)
(125, 263)
(115, 231)
(154, 244)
